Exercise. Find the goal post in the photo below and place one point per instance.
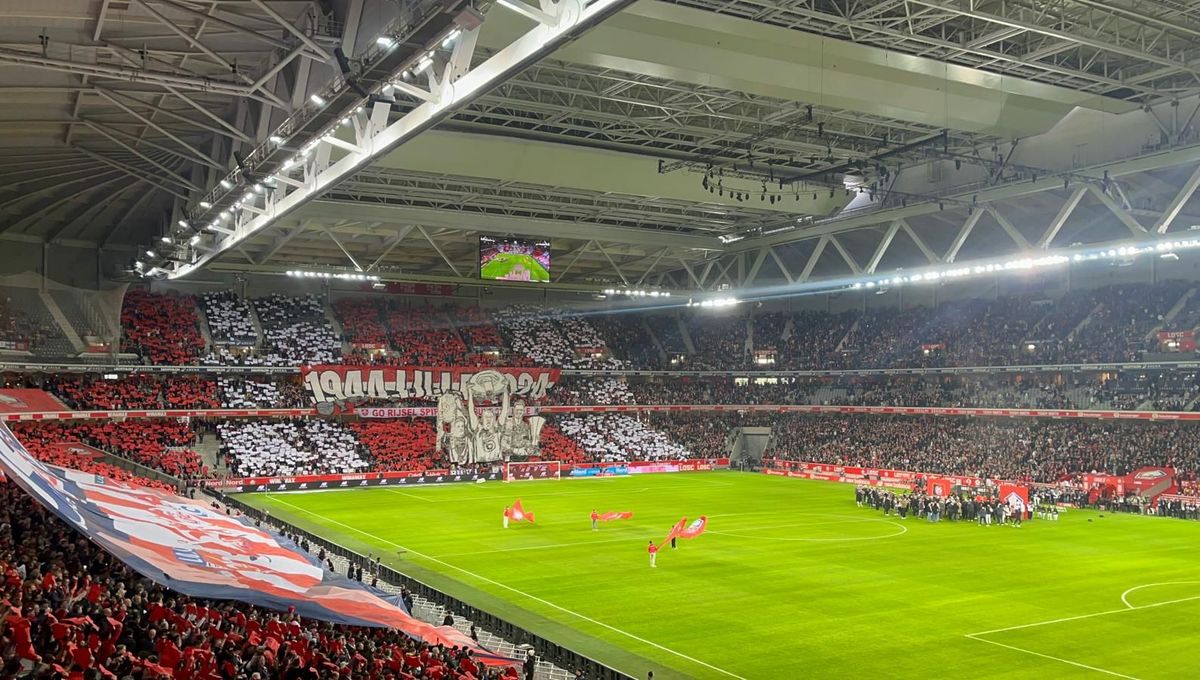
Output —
(528, 470)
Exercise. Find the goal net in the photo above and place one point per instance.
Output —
(520, 472)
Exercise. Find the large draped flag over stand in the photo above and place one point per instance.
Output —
(610, 516)
(193, 549)
(517, 513)
(684, 530)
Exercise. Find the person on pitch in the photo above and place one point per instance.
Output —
(673, 543)
(595, 520)
(653, 550)
(507, 511)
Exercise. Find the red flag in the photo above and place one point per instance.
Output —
(674, 533)
(517, 513)
(609, 516)
(694, 529)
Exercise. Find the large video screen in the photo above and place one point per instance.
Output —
(514, 259)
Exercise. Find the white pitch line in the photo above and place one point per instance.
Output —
(410, 495)
(741, 533)
(609, 492)
(1085, 616)
(1125, 594)
(534, 547)
(1054, 658)
(524, 594)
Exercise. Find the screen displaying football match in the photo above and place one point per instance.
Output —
(514, 259)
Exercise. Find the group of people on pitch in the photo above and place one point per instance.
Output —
(986, 510)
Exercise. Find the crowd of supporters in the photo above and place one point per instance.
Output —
(301, 446)
(162, 329)
(423, 336)
(362, 322)
(74, 611)
(548, 337)
(617, 437)
(46, 448)
(162, 444)
(1018, 448)
(230, 319)
(399, 444)
(1114, 323)
(21, 327)
(140, 391)
(295, 331)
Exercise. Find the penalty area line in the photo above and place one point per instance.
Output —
(1052, 658)
(1086, 616)
(535, 598)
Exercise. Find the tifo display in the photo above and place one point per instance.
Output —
(507, 462)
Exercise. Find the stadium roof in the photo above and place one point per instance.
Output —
(684, 144)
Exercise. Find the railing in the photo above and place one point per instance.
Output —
(143, 471)
(548, 650)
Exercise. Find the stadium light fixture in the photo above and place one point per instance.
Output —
(150, 253)
(226, 184)
(205, 204)
(636, 293)
(344, 276)
(316, 99)
(714, 302)
(386, 42)
(276, 139)
(165, 239)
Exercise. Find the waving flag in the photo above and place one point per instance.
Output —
(610, 516)
(696, 528)
(191, 548)
(517, 513)
(684, 530)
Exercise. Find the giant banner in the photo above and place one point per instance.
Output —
(331, 383)
(191, 548)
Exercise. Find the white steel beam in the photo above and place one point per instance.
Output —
(391, 245)
(10, 56)
(210, 17)
(1059, 220)
(881, 249)
(782, 267)
(173, 176)
(576, 255)
(657, 258)
(1017, 237)
(280, 242)
(617, 269)
(920, 243)
(1122, 214)
(291, 28)
(759, 259)
(540, 41)
(438, 249)
(197, 155)
(837, 245)
(1177, 203)
(345, 252)
(961, 237)
(812, 259)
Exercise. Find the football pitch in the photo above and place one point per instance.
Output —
(792, 580)
(504, 265)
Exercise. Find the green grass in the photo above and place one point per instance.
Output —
(502, 265)
(792, 580)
